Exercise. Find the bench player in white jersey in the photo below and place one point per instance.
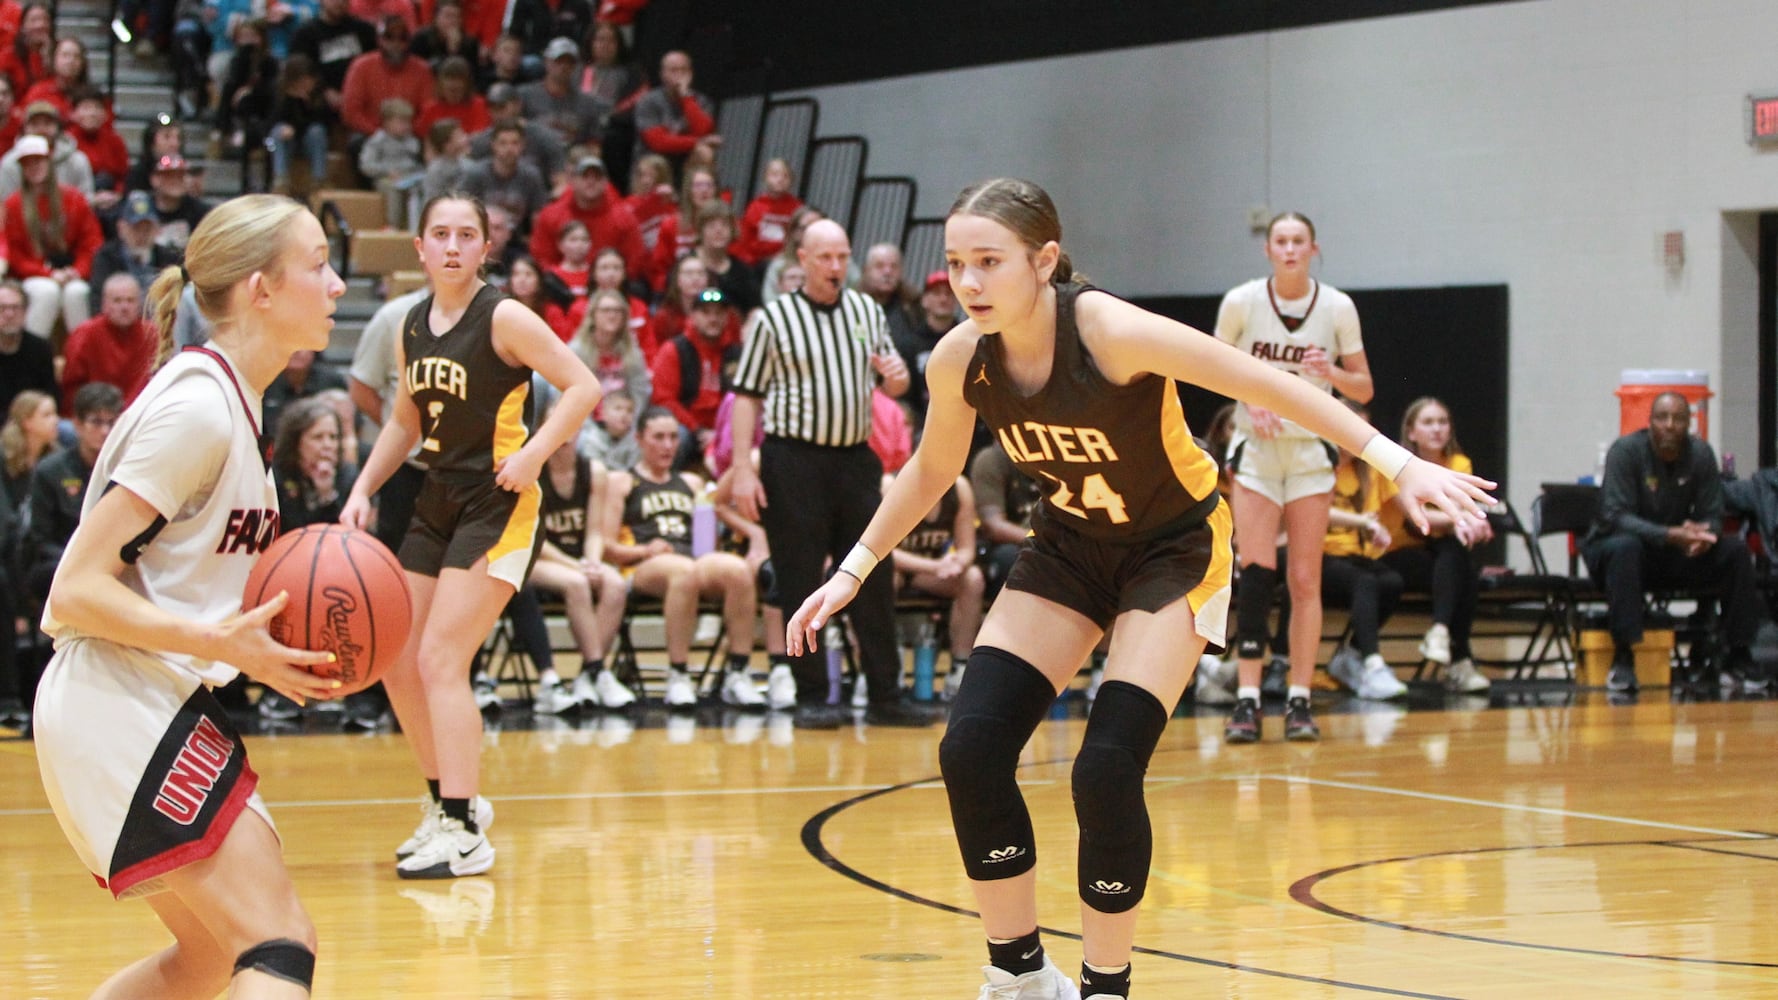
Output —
(146, 775)
(1283, 473)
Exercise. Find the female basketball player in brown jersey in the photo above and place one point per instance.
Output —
(466, 355)
(1079, 387)
(143, 768)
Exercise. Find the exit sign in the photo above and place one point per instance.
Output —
(1762, 120)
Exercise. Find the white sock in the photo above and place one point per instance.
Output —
(1247, 692)
(548, 677)
(1299, 691)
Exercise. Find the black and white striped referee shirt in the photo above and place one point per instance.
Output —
(812, 366)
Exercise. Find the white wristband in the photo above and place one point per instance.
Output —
(1385, 456)
(859, 562)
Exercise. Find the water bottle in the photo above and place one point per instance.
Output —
(703, 529)
(831, 640)
(925, 655)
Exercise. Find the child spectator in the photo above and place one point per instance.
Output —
(575, 245)
(447, 144)
(301, 117)
(105, 150)
(767, 219)
(652, 198)
(455, 97)
(541, 292)
(611, 438)
(391, 158)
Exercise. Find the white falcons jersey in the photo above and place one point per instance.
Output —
(1250, 320)
(189, 445)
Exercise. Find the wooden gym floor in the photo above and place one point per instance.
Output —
(1561, 846)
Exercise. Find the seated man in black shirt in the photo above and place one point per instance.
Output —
(1660, 525)
(59, 483)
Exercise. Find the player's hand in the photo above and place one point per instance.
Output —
(356, 513)
(1459, 495)
(1316, 363)
(950, 566)
(244, 643)
(519, 470)
(1380, 536)
(748, 492)
(889, 365)
(1266, 424)
(801, 631)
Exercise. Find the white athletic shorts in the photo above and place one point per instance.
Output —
(143, 768)
(1283, 469)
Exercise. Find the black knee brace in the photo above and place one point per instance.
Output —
(1116, 842)
(1253, 605)
(283, 958)
(991, 720)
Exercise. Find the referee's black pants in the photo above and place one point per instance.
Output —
(818, 501)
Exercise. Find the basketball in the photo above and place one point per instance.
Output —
(348, 595)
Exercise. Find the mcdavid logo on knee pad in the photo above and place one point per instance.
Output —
(1000, 854)
(1110, 888)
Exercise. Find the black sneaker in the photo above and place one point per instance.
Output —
(1243, 724)
(13, 713)
(819, 716)
(1274, 682)
(899, 714)
(363, 714)
(1623, 673)
(274, 706)
(1299, 724)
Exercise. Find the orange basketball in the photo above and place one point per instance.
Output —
(348, 595)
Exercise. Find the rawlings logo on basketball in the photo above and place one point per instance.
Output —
(1109, 888)
(1004, 854)
(336, 636)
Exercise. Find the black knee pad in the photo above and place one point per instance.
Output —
(1253, 605)
(1116, 841)
(991, 721)
(283, 958)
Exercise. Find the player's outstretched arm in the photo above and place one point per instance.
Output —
(1127, 341)
(89, 596)
(936, 464)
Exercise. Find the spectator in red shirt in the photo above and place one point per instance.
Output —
(95, 136)
(692, 370)
(455, 97)
(67, 72)
(51, 236)
(591, 199)
(652, 197)
(116, 346)
(377, 76)
(528, 284)
(679, 231)
(673, 119)
(27, 59)
(12, 119)
(767, 219)
(575, 267)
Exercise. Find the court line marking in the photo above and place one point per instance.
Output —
(659, 793)
(1507, 806)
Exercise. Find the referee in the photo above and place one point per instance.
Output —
(810, 362)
